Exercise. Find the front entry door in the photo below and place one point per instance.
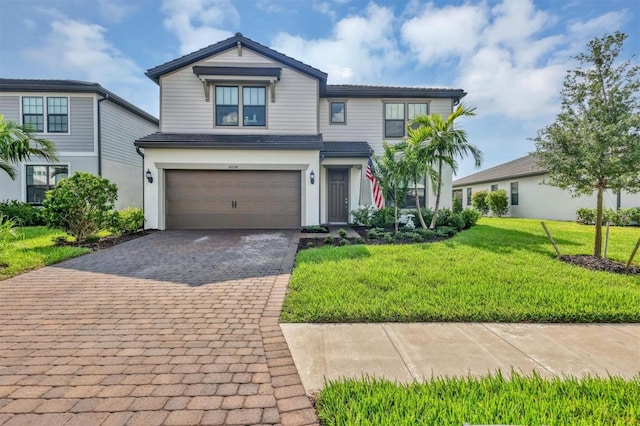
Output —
(338, 195)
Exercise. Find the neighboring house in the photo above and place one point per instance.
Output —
(93, 130)
(252, 138)
(529, 196)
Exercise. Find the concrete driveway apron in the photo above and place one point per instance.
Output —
(175, 328)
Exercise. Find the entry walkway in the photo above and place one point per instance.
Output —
(407, 352)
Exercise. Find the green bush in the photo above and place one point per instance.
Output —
(127, 221)
(344, 242)
(622, 217)
(448, 218)
(80, 205)
(7, 231)
(470, 217)
(359, 240)
(372, 234)
(498, 202)
(23, 214)
(342, 233)
(634, 216)
(425, 233)
(328, 239)
(479, 202)
(446, 231)
(383, 218)
(457, 205)
(586, 216)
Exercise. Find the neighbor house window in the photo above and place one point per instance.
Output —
(57, 115)
(394, 120)
(254, 109)
(457, 193)
(414, 110)
(494, 187)
(233, 102)
(338, 113)
(227, 106)
(40, 179)
(33, 113)
(514, 193)
(469, 196)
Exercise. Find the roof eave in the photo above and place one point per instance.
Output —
(306, 146)
(519, 175)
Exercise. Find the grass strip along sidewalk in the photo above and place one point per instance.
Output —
(501, 270)
(522, 400)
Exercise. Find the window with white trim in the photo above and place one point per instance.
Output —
(248, 102)
(42, 178)
(56, 114)
(469, 196)
(515, 192)
(395, 118)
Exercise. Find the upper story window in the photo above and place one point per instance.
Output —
(338, 113)
(395, 118)
(230, 99)
(56, 113)
(40, 179)
(33, 113)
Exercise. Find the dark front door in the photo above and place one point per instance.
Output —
(338, 195)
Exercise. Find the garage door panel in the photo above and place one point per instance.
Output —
(203, 199)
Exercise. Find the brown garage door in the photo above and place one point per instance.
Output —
(239, 199)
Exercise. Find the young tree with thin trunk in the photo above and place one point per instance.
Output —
(18, 143)
(392, 177)
(594, 143)
(442, 142)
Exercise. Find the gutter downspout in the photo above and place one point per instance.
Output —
(141, 154)
(106, 96)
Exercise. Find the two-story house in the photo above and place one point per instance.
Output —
(93, 130)
(252, 138)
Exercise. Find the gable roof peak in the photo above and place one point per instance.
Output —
(229, 43)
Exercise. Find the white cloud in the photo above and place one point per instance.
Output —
(354, 52)
(324, 8)
(79, 50)
(607, 22)
(438, 34)
(115, 10)
(29, 24)
(199, 23)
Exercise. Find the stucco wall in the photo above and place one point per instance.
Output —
(158, 160)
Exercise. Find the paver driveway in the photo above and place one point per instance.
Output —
(178, 327)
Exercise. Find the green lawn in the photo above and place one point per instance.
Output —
(32, 249)
(500, 270)
(488, 400)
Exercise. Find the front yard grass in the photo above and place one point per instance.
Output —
(34, 248)
(522, 400)
(501, 270)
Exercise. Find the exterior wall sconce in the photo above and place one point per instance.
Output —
(312, 176)
(149, 177)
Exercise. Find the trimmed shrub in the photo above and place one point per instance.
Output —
(457, 205)
(622, 217)
(328, 239)
(362, 215)
(127, 221)
(498, 202)
(383, 218)
(586, 216)
(470, 217)
(80, 205)
(23, 214)
(372, 234)
(342, 233)
(479, 202)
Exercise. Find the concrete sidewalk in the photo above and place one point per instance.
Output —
(407, 352)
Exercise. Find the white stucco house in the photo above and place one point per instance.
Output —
(252, 138)
(93, 129)
(529, 197)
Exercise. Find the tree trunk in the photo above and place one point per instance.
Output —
(415, 192)
(395, 205)
(437, 206)
(597, 247)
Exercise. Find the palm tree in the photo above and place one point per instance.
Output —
(18, 143)
(392, 178)
(441, 142)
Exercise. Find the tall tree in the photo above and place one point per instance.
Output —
(392, 177)
(594, 143)
(18, 143)
(415, 165)
(442, 142)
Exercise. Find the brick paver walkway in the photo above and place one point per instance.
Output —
(176, 328)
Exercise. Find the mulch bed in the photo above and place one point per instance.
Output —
(319, 240)
(107, 242)
(596, 264)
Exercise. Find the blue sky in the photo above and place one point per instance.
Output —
(509, 55)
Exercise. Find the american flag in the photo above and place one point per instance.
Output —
(378, 198)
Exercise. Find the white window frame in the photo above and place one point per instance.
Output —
(241, 87)
(45, 112)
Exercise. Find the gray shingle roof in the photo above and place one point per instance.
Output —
(155, 73)
(35, 85)
(520, 167)
(207, 140)
(365, 91)
(346, 149)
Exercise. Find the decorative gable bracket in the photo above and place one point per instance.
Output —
(208, 74)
